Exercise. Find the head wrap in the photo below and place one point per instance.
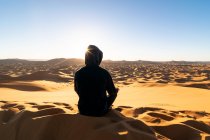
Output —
(93, 55)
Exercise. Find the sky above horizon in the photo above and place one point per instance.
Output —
(157, 30)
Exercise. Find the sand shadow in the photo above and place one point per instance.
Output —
(199, 85)
(55, 123)
(42, 75)
(22, 86)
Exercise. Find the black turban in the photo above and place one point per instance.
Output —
(93, 55)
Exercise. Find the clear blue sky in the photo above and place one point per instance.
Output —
(123, 29)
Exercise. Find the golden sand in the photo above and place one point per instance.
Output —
(154, 102)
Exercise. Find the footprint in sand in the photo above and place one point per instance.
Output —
(67, 106)
(31, 103)
(63, 104)
(48, 111)
(8, 105)
(161, 116)
(40, 107)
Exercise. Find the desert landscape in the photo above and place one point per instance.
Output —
(157, 100)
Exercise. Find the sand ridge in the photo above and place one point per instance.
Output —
(61, 121)
(53, 120)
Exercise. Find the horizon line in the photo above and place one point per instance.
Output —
(40, 59)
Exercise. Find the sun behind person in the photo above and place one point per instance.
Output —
(91, 84)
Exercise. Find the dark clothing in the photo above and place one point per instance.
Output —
(91, 84)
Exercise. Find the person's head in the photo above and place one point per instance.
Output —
(93, 55)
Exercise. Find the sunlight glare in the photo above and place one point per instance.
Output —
(83, 36)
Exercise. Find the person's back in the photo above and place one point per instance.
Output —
(91, 83)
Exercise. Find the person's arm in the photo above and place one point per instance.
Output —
(112, 91)
(75, 84)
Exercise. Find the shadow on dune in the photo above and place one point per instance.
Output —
(175, 132)
(51, 121)
(167, 124)
(22, 86)
(199, 85)
(56, 124)
(198, 125)
(42, 75)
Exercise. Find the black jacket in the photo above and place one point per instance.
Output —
(91, 84)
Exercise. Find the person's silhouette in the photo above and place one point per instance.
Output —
(91, 83)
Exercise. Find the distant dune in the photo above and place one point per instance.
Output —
(181, 73)
(77, 60)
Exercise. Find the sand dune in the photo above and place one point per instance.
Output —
(51, 120)
(41, 122)
(157, 100)
(175, 124)
(190, 74)
(22, 86)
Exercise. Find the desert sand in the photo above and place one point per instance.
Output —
(157, 100)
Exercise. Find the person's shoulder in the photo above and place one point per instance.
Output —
(104, 71)
(79, 70)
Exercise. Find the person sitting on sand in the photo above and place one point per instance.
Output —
(91, 83)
